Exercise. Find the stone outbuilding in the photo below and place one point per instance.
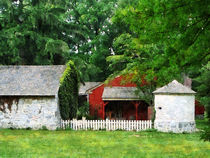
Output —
(28, 96)
(175, 108)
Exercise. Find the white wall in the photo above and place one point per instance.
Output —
(175, 107)
(175, 113)
(31, 112)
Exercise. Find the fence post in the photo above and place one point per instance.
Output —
(137, 125)
(65, 123)
(123, 124)
(74, 124)
(149, 124)
(83, 123)
(114, 125)
(106, 124)
(91, 124)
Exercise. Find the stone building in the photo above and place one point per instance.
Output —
(28, 96)
(175, 108)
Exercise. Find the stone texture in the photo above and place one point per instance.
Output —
(31, 112)
(176, 127)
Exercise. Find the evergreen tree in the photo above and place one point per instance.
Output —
(68, 92)
(34, 32)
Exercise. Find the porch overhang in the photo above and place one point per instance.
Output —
(120, 99)
(120, 94)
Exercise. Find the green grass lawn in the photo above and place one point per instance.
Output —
(99, 144)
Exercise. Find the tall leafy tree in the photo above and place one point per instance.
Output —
(179, 29)
(95, 18)
(172, 38)
(34, 32)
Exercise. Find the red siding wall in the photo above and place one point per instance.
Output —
(199, 109)
(96, 102)
(150, 112)
(95, 97)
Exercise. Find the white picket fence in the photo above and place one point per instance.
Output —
(128, 125)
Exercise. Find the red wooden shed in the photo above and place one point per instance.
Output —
(117, 101)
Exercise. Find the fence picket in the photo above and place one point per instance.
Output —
(128, 125)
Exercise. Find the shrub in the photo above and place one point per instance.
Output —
(83, 110)
(153, 115)
(68, 92)
(44, 128)
(205, 135)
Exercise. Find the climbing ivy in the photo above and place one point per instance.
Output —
(68, 92)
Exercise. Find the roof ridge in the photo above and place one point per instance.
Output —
(174, 87)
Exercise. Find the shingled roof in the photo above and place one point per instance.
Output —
(120, 93)
(30, 80)
(174, 87)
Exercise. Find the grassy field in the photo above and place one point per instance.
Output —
(100, 144)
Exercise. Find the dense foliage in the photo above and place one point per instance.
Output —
(68, 92)
(34, 32)
(205, 135)
(203, 87)
(94, 16)
(83, 110)
(163, 40)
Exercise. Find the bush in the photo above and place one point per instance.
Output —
(68, 92)
(83, 110)
(44, 128)
(205, 135)
(153, 115)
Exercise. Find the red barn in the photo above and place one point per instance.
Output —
(117, 101)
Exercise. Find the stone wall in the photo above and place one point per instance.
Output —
(175, 113)
(176, 127)
(29, 112)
